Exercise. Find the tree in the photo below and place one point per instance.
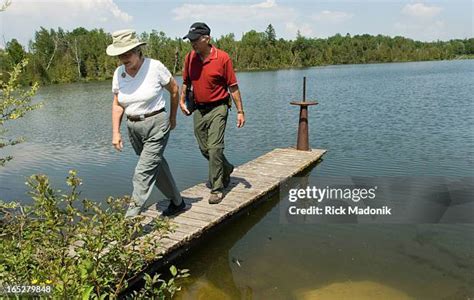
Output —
(45, 46)
(469, 46)
(228, 44)
(15, 51)
(270, 34)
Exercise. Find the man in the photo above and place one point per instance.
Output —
(210, 72)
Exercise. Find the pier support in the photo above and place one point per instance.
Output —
(302, 142)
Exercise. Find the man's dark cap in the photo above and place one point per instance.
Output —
(197, 30)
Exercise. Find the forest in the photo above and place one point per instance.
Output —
(59, 56)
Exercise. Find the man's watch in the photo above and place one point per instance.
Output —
(240, 112)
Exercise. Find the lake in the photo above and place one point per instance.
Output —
(382, 120)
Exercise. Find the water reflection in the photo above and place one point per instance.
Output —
(216, 273)
(418, 262)
(258, 257)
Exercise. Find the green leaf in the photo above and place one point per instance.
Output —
(173, 270)
(87, 292)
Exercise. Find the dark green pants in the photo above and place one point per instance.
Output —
(209, 129)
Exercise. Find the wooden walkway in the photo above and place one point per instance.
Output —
(250, 182)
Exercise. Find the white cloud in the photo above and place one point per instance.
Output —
(62, 10)
(268, 11)
(332, 17)
(422, 31)
(421, 22)
(304, 29)
(420, 10)
(239, 17)
(23, 17)
(266, 4)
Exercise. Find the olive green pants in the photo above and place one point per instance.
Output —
(209, 129)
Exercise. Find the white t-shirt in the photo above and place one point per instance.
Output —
(143, 93)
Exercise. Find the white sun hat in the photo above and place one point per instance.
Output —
(123, 41)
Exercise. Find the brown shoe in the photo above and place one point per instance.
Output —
(216, 197)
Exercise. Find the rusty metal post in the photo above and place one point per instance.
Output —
(302, 142)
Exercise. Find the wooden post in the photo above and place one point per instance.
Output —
(302, 142)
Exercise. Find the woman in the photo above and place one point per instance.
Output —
(138, 92)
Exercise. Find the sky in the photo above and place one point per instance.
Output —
(419, 20)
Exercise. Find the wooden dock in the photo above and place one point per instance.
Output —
(250, 183)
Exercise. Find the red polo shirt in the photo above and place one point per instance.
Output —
(210, 78)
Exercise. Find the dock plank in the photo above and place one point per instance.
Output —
(249, 183)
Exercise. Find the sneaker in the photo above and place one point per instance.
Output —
(173, 209)
(216, 197)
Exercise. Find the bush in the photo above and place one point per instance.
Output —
(77, 247)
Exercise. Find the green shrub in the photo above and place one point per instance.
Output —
(77, 247)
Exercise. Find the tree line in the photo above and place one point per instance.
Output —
(59, 56)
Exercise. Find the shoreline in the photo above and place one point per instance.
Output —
(255, 70)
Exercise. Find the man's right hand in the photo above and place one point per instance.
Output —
(184, 109)
(117, 141)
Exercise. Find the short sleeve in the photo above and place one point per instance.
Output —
(163, 74)
(115, 83)
(230, 77)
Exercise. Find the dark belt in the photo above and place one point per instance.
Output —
(210, 105)
(144, 116)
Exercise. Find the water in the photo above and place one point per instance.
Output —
(411, 119)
